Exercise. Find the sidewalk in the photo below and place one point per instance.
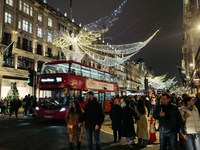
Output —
(107, 128)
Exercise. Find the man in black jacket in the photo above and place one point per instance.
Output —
(170, 121)
(197, 102)
(93, 117)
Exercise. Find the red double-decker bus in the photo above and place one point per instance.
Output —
(61, 82)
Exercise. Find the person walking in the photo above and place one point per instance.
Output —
(191, 118)
(112, 102)
(72, 120)
(142, 123)
(24, 105)
(93, 117)
(153, 104)
(128, 129)
(197, 102)
(170, 121)
(173, 99)
(14, 108)
(147, 105)
(116, 117)
(2, 107)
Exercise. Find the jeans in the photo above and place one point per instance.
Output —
(192, 142)
(96, 137)
(152, 109)
(171, 137)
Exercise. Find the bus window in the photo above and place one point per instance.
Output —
(94, 74)
(85, 72)
(75, 69)
(109, 95)
(55, 68)
(101, 75)
(112, 79)
(107, 77)
(83, 97)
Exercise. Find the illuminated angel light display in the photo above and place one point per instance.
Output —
(86, 42)
(159, 82)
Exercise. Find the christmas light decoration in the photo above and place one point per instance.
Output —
(159, 82)
(86, 42)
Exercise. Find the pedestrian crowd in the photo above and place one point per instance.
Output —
(28, 103)
(175, 115)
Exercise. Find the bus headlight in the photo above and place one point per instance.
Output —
(36, 108)
(62, 109)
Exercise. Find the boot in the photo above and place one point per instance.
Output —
(71, 146)
(78, 145)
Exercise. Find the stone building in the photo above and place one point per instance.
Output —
(29, 23)
(191, 47)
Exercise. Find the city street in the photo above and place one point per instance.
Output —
(50, 134)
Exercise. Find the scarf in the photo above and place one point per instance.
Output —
(190, 108)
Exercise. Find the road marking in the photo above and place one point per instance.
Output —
(106, 132)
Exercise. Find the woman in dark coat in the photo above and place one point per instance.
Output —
(128, 129)
(116, 117)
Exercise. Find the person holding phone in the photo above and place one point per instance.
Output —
(191, 118)
(72, 120)
(170, 123)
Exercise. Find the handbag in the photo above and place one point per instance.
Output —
(69, 126)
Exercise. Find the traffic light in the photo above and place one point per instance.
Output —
(31, 77)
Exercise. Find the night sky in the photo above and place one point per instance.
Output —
(138, 21)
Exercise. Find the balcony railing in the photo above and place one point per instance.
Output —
(25, 48)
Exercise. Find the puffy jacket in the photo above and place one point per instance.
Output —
(192, 123)
(172, 124)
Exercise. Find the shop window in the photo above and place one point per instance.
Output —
(25, 63)
(8, 62)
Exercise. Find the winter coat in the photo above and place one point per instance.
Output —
(116, 117)
(197, 104)
(147, 104)
(128, 129)
(192, 123)
(93, 114)
(171, 124)
(142, 125)
(73, 119)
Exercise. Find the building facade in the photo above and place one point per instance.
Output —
(191, 47)
(30, 24)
